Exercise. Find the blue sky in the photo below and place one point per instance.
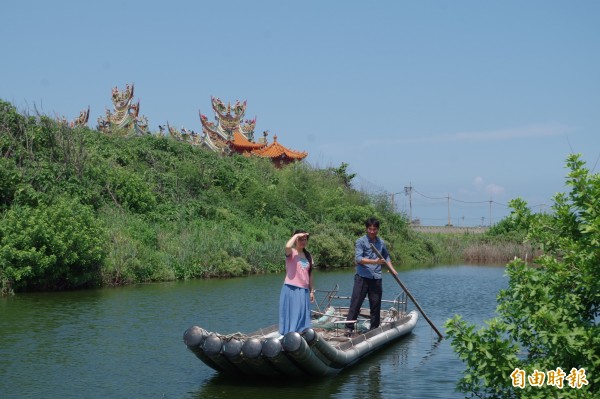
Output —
(476, 100)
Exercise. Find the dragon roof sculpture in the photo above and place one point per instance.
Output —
(125, 119)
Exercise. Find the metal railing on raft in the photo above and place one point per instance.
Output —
(400, 302)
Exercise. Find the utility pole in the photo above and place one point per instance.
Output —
(490, 211)
(408, 191)
(449, 221)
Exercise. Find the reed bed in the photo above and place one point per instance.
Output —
(498, 252)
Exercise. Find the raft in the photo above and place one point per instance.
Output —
(321, 350)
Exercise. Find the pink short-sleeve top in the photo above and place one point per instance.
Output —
(297, 270)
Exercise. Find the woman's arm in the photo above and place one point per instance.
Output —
(311, 285)
(290, 244)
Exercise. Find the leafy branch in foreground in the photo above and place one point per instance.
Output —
(545, 341)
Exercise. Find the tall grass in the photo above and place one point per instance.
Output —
(473, 248)
(497, 252)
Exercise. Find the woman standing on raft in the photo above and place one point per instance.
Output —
(297, 291)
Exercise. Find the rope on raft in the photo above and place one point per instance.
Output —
(237, 335)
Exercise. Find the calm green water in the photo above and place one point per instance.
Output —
(127, 342)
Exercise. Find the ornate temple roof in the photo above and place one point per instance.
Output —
(278, 152)
(230, 130)
(242, 144)
(226, 119)
(230, 133)
(187, 136)
(82, 119)
(126, 116)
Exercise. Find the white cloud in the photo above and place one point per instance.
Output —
(494, 190)
(491, 190)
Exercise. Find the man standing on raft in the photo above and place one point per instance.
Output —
(367, 280)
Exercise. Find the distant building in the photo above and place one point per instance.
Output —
(232, 134)
(279, 155)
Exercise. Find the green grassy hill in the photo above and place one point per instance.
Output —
(80, 208)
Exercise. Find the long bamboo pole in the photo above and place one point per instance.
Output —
(412, 298)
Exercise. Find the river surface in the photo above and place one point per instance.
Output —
(127, 342)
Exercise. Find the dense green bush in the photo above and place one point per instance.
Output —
(514, 227)
(57, 246)
(9, 179)
(128, 190)
(331, 246)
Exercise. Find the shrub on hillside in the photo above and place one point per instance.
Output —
(332, 247)
(58, 246)
(128, 191)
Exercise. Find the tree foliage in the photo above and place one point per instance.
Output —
(342, 173)
(548, 316)
(515, 225)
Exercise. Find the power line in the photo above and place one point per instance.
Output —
(423, 195)
(456, 199)
(452, 203)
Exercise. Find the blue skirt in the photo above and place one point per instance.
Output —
(294, 309)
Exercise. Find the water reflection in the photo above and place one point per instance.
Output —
(223, 386)
(429, 353)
